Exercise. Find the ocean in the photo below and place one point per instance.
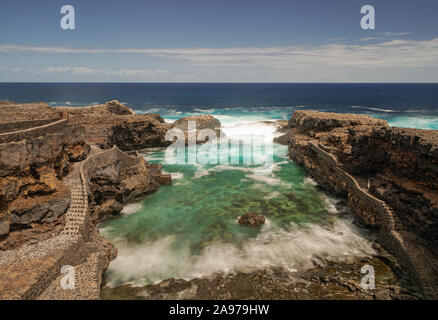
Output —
(190, 229)
(409, 105)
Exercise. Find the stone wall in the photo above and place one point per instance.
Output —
(382, 215)
(77, 227)
(46, 129)
(69, 245)
(6, 127)
(330, 173)
(62, 249)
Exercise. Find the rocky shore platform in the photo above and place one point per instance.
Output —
(328, 281)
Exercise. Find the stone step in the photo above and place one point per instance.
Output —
(86, 283)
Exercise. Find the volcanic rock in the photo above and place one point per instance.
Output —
(113, 123)
(388, 174)
(252, 219)
(200, 123)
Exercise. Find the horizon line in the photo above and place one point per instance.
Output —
(218, 82)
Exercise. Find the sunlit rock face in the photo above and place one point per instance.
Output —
(113, 123)
(37, 151)
(192, 126)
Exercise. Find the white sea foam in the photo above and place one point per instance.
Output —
(153, 110)
(295, 249)
(330, 203)
(201, 173)
(105, 229)
(272, 195)
(382, 110)
(421, 122)
(310, 181)
(167, 120)
(131, 208)
(204, 110)
(277, 166)
(176, 175)
(271, 180)
(242, 130)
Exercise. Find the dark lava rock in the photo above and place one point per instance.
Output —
(330, 281)
(252, 219)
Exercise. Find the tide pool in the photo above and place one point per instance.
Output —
(190, 229)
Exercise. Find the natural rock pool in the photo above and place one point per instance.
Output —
(190, 229)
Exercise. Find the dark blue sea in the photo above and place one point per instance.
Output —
(408, 105)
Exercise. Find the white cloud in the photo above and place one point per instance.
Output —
(338, 39)
(394, 34)
(369, 39)
(389, 53)
(87, 71)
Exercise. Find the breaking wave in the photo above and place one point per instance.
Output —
(297, 248)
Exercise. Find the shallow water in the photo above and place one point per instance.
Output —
(190, 229)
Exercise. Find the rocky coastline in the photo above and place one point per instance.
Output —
(61, 172)
(388, 175)
(64, 169)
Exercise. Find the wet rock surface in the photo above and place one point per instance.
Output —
(252, 219)
(328, 281)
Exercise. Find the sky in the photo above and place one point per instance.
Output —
(219, 41)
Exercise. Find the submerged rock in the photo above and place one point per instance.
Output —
(252, 219)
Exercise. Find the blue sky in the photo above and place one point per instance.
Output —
(219, 41)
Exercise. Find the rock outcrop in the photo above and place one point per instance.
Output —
(388, 175)
(252, 219)
(330, 281)
(115, 124)
(33, 163)
(114, 184)
(55, 185)
(199, 123)
(11, 112)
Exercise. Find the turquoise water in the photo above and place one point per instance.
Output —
(190, 229)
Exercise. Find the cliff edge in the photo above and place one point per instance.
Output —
(62, 171)
(388, 175)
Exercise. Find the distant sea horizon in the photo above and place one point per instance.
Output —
(412, 105)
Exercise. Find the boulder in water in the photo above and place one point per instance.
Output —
(252, 219)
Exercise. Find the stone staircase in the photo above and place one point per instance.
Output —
(34, 271)
(415, 256)
(77, 218)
